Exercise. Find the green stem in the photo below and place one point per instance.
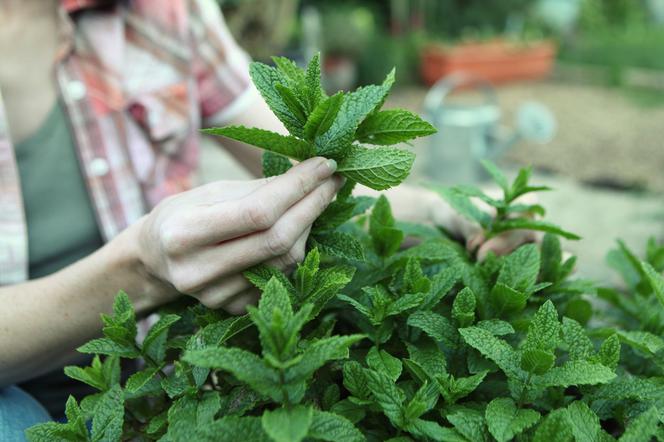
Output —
(522, 396)
(284, 392)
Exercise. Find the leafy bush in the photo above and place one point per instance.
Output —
(367, 340)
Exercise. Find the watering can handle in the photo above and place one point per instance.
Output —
(446, 85)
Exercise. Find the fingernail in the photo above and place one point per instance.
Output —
(332, 165)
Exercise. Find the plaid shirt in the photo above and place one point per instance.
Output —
(138, 80)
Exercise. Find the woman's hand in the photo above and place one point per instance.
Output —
(445, 216)
(198, 242)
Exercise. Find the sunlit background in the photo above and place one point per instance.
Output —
(574, 88)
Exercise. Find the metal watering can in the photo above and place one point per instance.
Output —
(468, 133)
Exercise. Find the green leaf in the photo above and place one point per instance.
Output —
(537, 361)
(321, 352)
(496, 327)
(245, 366)
(454, 389)
(552, 256)
(643, 427)
(494, 349)
(463, 205)
(105, 346)
(577, 341)
(261, 274)
(275, 164)
(52, 431)
(92, 375)
(336, 141)
(531, 224)
(109, 416)
(434, 431)
(436, 326)
(355, 380)
(232, 429)
(379, 168)
(287, 425)
(544, 329)
(576, 373)
(609, 352)
(392, 127)
(404, 303)
(306, 272)
(470, 423)
(286, 145)
(314, 91)
(334, 428)
(265, 78)
(382, 361)
(656, 281)
(497, 176)
(520, 268)
(463, 307)
(323, 116)
(584, 422)
(339, 244)
(506, 299)
(293, 102)
(429, 357)
(386, 239)
(387, 395)
(139, 379)
(505, 420)
(555, 427)
(154, 345)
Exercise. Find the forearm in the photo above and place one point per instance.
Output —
(43, 320)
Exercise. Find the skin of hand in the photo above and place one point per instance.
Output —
(197, 242)
(200, 241)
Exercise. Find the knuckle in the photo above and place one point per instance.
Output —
(184, 279)
(258, 215)
(172, 238)
(279, 241)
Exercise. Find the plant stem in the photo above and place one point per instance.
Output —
(284, 392)
(522, 396)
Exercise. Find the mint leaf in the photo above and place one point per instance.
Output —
(266, 79)
(392, 127)
(286, 145)
(379, 168)
(334, 428)
(339, 244)
(356, 106)
(287, 425)
(322, 117)
(385, 237)
(505, 420)
(382, 361)
(275, 164)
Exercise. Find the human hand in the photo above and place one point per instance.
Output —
(198, 242)
(476, 241)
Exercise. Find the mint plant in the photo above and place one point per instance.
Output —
(367, 340)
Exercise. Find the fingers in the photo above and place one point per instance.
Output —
(234, 293)
(264, 206)
(507, 242)
(192, 273)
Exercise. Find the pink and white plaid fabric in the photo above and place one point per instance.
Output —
(139, 78)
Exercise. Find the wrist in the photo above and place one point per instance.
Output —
(145, 290)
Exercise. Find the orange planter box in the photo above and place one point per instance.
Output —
(498, 61)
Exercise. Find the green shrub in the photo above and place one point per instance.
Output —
(367, 340)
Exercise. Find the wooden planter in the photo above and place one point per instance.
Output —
(498, 61)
